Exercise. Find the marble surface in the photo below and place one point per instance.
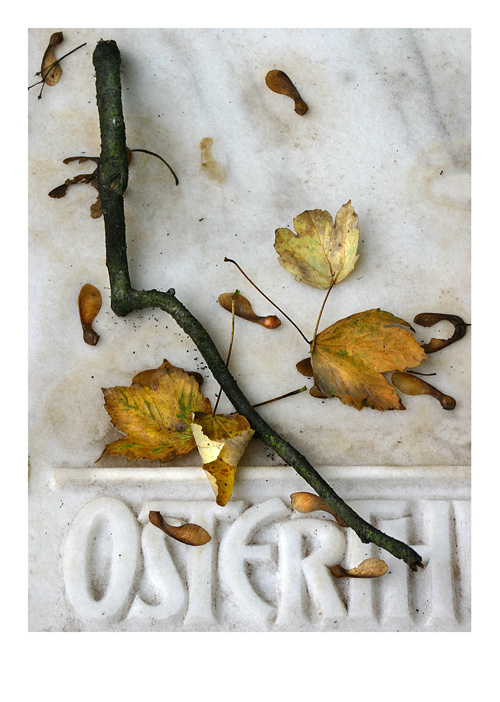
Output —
(388, 127)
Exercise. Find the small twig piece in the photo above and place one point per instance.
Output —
(152, 153)
(230, 260)
(190, 534)
(233, 303)
(281, 397)
(279, 82)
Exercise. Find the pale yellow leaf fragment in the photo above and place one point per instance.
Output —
(221, 441)
(322, 252)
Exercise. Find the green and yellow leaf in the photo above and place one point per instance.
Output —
(349, 358)
(221, 441)
(155, 418)
(321, 252)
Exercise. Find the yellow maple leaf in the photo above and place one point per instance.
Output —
(349, 357)
(155, 418)
(322, 252)
(221, 441)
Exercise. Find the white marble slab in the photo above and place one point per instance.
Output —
(388, 127)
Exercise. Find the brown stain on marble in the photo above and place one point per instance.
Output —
(213, 169)
(441, 179)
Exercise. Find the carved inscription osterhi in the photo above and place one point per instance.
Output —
(265, 568)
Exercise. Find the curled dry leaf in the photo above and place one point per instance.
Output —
(243, 309)
(369, 568)
(89, 304)
(350, 356)
(279, 82)
(305, 367)
(429, 319)
(306, 502)
(156, 419)
(411, 385)
(51, 70)
(190, 534)
(146, 377)
(322, 252)
(221, 441)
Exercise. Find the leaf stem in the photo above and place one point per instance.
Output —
(233, 300)
(152, 153)
(319, 317)
(113, 175)
(230, 260)
(281, 397)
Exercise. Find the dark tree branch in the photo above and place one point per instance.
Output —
(112, 178)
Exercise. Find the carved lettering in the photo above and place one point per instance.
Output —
(115, 519)
(265, 567)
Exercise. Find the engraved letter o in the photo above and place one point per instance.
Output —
(124, 559)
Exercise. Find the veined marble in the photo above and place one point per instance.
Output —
(388, 128)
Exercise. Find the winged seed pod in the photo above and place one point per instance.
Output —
(89, 304)
(429, 319)
(190, 534)
(51, 69)
(309, 502)
(280, 83)
(411, 385)
(243, 309)
(369, 568)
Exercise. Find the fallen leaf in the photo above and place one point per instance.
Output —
(221, 441)
(429, 319)
(279, 82)
(349, 357)
(190, 534)
(156, 420)
(243, 309)
(89, 304)
(369, 568)
(51, 69)
(411, 385)
(305, 367)
(322, 252)
(307, 502)
(145, 377)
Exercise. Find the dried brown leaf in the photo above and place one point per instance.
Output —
(89, 304)
(306, 502)
(243, 309)
(190, 534)
(305, 367)
(369, 568)
(411, 385)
